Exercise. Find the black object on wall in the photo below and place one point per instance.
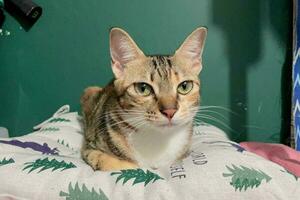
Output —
(2, 17)
(26, 12)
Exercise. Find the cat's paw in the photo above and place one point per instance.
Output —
(104, 162)
(119, 165)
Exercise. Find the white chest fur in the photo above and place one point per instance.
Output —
(159, 147)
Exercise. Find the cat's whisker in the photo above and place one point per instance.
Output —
(203, 112)
(127, 121)
(213, 119)
(209, 116)
(214, 112)
(121, 112)
(108, 120)
(218, 107)
(139, 124)
(98, 118)
(184, 123)
(206, 115)
(198, 122)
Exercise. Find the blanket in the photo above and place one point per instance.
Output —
(46, 164)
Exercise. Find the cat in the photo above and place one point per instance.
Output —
(144, 116)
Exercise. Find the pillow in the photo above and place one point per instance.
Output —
(46, 164)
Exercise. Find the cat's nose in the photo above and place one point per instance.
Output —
(169, 113)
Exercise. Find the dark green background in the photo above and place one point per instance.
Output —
(246, 59)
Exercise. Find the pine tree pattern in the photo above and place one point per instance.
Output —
(5, 162)
(244, 177)
(59, 119)
(139, 176)
(290, 173)
(79, 194)
(49, 129)
(45, 164)
(66, 144)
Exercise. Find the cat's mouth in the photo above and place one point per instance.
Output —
(167, 125)
(164, 123)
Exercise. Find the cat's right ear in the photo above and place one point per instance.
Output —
(122, 50)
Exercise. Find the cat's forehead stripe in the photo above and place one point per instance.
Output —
(161, 60)
(158, 71)
(152, 76)
(154, 63)
(169, 62)
(162, 66)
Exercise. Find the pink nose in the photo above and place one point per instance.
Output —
(169, 113)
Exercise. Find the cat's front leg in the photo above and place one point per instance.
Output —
(99, 160)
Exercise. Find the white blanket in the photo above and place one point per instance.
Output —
(46, 164)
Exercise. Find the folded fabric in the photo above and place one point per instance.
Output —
(278, 153)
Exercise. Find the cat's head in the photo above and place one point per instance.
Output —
(159, 91)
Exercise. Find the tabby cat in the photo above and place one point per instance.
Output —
(144, 117)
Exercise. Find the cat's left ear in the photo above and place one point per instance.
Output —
(192, 49)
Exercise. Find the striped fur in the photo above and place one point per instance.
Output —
(124, 129)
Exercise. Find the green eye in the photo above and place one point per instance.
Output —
(185, 87)
(143, 89)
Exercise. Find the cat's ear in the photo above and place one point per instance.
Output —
(192, 48)
(122, 50)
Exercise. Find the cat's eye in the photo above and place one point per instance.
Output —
(185, 87)
(143, 89)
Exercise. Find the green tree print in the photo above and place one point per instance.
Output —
(139, 176)
(49, 129)
(45, 164)
(290, 173)
(244, 177)
(66, 144)
(59, 119)
(5, 162)
(63, 143)
(79, 194)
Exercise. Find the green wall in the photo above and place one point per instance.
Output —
(246, 59)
